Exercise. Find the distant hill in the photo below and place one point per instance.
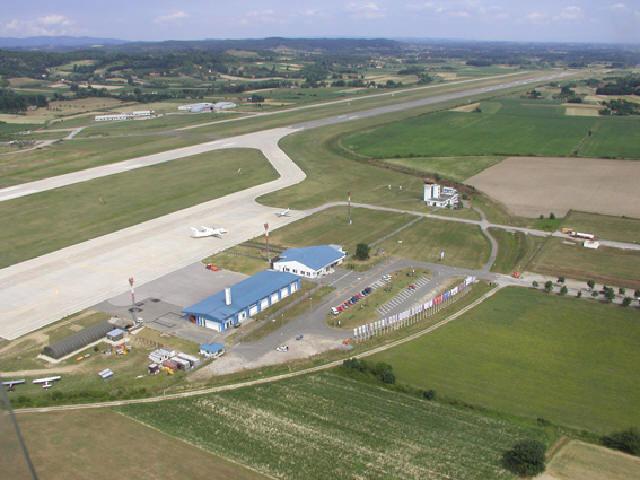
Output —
(56, 43)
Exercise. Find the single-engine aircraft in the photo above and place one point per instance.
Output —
(202, 231)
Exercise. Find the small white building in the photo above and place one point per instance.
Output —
(310, 262)
(441, 197)
(206, 107)
(138, 115)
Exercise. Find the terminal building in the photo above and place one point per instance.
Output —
(236, 304)
(310, 262)
(441, 197)
(206, 107)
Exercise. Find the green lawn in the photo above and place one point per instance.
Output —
(519, 127)
(457, 169)
(45, 222)
(527, 353)
(604, 226)
(515, 250)
(464, 245)
(608, 265)
(327, 426)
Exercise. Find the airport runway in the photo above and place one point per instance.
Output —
(40, 291)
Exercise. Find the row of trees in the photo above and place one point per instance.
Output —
(11, 102)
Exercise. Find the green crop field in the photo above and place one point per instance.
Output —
(607, 265)
(464, 245)
(327, 426)
(457, 169)
(518, 127)
(524, 352)
(45, 222)
(62, 447)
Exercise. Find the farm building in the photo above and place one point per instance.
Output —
(115, 335)
(235, 304)
(77, 341)
(310, 262)
(211, 349)
(442, 197)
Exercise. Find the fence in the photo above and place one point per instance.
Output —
(414, 314)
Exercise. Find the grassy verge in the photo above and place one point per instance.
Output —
(47, 221)
(611, 266)
(621, 229)
(457, 169)
(515, 250)
(530, 354)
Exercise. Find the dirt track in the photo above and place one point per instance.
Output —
(531, 186)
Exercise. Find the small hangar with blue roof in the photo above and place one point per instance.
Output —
(310, 262)
(234, 305)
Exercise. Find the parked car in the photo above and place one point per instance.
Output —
(283, 348)
(299, 336)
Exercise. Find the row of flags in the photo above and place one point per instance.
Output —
(399, 319)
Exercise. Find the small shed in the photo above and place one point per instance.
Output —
(211, 350)
(115, 335)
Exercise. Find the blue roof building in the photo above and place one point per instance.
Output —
(310, 262)
(235, 304)
(211, 349)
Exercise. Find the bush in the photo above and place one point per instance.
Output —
(552, 216)
(429, 394)
(564, 290)
(548, 286)
(535, 284)
(560, 279)
(622, 291)
(627, 441)
(591, 284)
(579, 294)
(362, 251)
(626, 301)
(526, 458)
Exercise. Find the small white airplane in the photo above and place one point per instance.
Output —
(283, 213)
(202, 231)
(46, 382)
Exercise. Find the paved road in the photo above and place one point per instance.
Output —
(50, 183)
(40, 291)
(37, 292)
(261, 381)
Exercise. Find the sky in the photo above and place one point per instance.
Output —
(609, 21)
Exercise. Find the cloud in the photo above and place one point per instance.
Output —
(571, 14)
(460, 9)
(51, 25)
(618, 7)
(365, 10)
(537, 17)
(171, 17)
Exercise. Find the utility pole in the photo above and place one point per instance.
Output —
(349, 207)
(266, 241)
(133, 301)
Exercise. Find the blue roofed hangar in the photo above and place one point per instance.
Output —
(235, 304)
(310, 262)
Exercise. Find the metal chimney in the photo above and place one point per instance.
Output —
(227, 296)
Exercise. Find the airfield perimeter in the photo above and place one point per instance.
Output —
(40, 291)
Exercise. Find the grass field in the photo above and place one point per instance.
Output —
(527, 353)
(607, 265)
(518, 127)
(583, 461)
(327, 426)
(457, 169)
(96, 443)
(44, 222)
(515, 250)
(464, 245)
(611, 228)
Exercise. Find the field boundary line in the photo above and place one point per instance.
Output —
(264, 380)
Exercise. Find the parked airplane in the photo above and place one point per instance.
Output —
(46, 382)
(202, 231)
(11, 384)
(284, 213)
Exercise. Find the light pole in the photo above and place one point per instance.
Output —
(349, 207)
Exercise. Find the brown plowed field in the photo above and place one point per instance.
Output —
(531, 186)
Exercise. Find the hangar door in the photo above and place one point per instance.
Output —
(253, 309)
(264, 303)
(284, 292)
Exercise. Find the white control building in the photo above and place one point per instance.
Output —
(441, 197)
